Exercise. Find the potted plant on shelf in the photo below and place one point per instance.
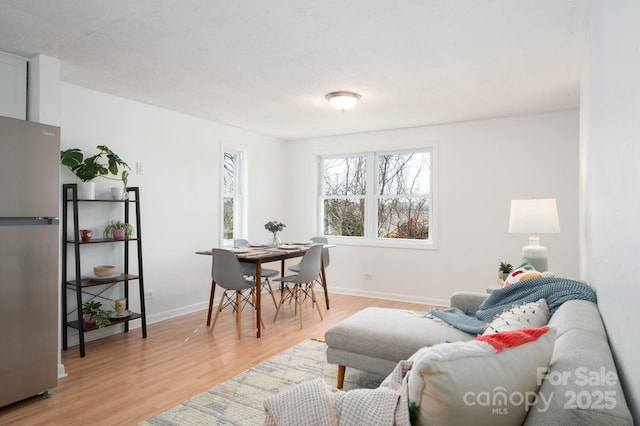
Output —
(118, 230)
(103, 164)
(274, 227)
(93, 314)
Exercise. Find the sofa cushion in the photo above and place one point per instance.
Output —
(489, 380)
(530, 315)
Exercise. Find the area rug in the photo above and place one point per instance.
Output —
(238, 401)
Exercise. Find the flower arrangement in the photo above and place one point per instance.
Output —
(274, 226)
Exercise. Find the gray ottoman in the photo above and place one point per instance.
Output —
(375, 339)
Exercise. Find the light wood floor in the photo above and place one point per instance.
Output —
(125, 379)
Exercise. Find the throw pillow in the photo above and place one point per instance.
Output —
(523, 272)
(489, 380)
(531, 315)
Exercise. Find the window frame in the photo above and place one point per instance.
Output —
(371, 198)
(238, 195)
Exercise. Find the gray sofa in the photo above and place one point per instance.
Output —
(375, 339)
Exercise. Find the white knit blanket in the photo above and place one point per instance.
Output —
(316, 403)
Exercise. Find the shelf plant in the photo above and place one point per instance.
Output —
(102, 164)
(93, 313)
(118, 230)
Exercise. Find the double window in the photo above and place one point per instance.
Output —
(377, 195)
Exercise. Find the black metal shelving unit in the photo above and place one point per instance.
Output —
(75, 282)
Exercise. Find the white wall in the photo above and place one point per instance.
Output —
(180, 188)
(482, 165)
(610, 179)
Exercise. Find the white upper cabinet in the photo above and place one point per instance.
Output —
(13, 86)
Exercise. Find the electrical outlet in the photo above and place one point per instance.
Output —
(139, 168)
(148, 295)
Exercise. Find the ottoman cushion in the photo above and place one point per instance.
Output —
(388, 334)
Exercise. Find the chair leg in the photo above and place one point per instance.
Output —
(282, 292)
(213, 292)
(215, 318)
(238, 308)
(271, 292)
(299, 302)
(314, 300)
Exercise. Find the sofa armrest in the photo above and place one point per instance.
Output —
(467, 301)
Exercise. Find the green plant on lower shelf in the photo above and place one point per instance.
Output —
(93, 309)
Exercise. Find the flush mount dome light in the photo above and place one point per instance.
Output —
(343, 100)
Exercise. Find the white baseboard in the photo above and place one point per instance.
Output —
(61, 371)
(183, 310)
(389, 296)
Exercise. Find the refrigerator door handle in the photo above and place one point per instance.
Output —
(50, 220)
(23, 221)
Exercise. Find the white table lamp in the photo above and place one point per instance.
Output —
(534, 216)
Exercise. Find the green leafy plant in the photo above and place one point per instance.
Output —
(93, 309)
(506, 268)
(116, 224)
(274, 226)
(102, 164)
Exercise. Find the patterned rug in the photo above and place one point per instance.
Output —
(238, 401)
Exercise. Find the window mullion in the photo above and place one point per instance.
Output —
(371, 202)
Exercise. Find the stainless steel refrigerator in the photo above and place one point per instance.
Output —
(29, 247)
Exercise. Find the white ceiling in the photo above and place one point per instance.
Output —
(265, 66)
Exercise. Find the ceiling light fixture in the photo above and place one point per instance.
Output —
(343, 100)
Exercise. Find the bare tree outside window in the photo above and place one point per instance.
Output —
(344, 189)
(232, 194)
(400, 193)
(404, 191)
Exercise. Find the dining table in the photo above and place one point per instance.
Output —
(260, 254)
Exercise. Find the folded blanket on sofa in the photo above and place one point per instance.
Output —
(556, 291)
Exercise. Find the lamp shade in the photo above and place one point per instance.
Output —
(534, 216)
(342, 100)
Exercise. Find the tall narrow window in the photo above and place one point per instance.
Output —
(377, 196)
(232, 200)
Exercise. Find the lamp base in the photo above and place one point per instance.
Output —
(537, 257)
